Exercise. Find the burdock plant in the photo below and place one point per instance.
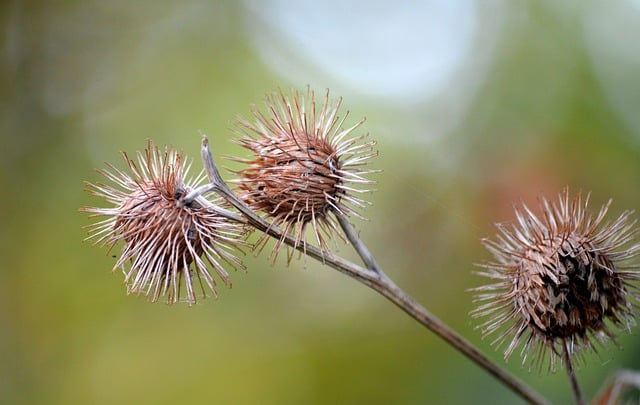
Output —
(168, 246)
(305, 165)
(559, 282)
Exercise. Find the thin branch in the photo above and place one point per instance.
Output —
(578, 397)
(356, 242)
(372, 276)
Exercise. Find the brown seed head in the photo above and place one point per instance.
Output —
(304, 164)
(560, 279)
(167, 244)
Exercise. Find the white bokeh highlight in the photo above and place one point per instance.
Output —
(424, 59)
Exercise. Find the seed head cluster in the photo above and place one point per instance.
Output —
(305, 164)
(168, 246)
(559, 280)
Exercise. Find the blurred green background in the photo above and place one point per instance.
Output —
(474, 105)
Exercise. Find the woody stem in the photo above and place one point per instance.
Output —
(578, 397)
(359, 246)
(372, 276)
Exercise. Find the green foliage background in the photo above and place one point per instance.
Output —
(81, 81)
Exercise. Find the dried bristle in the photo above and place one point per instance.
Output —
(561, 279)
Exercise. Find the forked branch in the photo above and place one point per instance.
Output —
(371, 276)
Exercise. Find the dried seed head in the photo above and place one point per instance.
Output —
(560, 279)
(305, 164)
(167, 244)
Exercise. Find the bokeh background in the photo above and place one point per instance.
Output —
(475, 105)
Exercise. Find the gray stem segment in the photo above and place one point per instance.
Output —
(362, 250)
(578, 397)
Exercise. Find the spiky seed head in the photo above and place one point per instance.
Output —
(562, 278)
(168, 246)
(305, 164)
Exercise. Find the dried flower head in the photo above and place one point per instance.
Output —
(167, 244)
(560, 280)
(305, 164)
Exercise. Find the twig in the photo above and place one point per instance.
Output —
(578, 397)
(356, 242)
(372, 276)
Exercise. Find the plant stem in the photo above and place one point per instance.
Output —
(392, 292)
(578, 397)
(356, 242)
(372, 276)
